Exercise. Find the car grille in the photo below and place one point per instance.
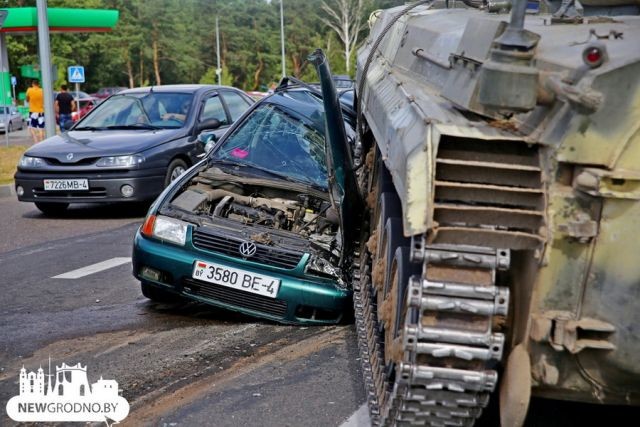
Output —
(237, 298)
(268, 255)
(96, 192)
(74, 171)
(82, 162)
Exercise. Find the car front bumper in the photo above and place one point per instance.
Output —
(299, 300)
(102, 187)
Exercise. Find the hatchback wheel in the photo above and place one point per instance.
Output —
(10, 128)
(52, 209)
(175, 169)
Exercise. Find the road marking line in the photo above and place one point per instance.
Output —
(360, 418)
(94, 268)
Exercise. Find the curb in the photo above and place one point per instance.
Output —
(7, 190)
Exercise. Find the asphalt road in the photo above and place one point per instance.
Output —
(184, 364)
(181, 364)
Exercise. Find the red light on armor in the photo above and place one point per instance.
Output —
(594, 56)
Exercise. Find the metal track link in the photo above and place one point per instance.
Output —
(446, 372)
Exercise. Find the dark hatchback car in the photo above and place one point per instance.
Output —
(128, 148)
(264, 224)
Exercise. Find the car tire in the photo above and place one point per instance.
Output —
(52, 209)
(175, 169)
(10, 128)
(156, 294)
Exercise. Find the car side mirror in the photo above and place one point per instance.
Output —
(208, 140)
(205, 137)
(209, 124)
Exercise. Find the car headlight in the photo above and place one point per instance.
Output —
(120, 161)
(321, 267)
(170, 229)
(31, 162)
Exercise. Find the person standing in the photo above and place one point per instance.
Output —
(64, 105)
(35, 98)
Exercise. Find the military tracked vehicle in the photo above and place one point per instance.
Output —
(500, 151)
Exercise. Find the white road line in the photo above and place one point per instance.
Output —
(360, 418)
(93, 268)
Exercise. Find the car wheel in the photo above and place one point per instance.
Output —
(156, 294)
(175, 169)
(10, 128)
(52, 208)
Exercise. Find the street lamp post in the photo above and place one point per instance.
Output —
(218, 69)
(45, 68)
(5, 107)
(284, 70)
(4, 60)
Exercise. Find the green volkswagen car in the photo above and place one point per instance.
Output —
(258, 226)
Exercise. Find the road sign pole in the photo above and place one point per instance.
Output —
(45, 68)
(76, 75)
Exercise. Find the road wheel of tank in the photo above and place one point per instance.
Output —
(52, 209)
(379, 242)
(393, 309)
(156, 294)
(176, 168)
(401, 272)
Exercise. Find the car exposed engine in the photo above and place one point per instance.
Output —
(215, 196)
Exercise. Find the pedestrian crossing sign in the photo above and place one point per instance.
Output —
(76, 74)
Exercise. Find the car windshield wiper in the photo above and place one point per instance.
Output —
(88, 128)
(252, 166)
(134, 126)
(225, 162)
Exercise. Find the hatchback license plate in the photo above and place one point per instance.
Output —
(235, 278)
(66, 184)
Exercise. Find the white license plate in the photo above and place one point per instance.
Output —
(66, 184)
(235, 278)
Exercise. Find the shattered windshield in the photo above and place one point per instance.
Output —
(148, 110)
(273, 140)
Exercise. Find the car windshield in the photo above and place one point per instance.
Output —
(273, 140)
(148, 110)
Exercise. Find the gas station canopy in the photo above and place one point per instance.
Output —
(25, 20)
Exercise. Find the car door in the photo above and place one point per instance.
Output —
(213, 108)
(235, 103)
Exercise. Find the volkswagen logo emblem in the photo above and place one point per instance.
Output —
(247, 249)
(69, 156)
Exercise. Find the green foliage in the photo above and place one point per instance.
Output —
(174, 41)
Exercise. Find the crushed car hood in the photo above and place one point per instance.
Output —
(86, 144)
